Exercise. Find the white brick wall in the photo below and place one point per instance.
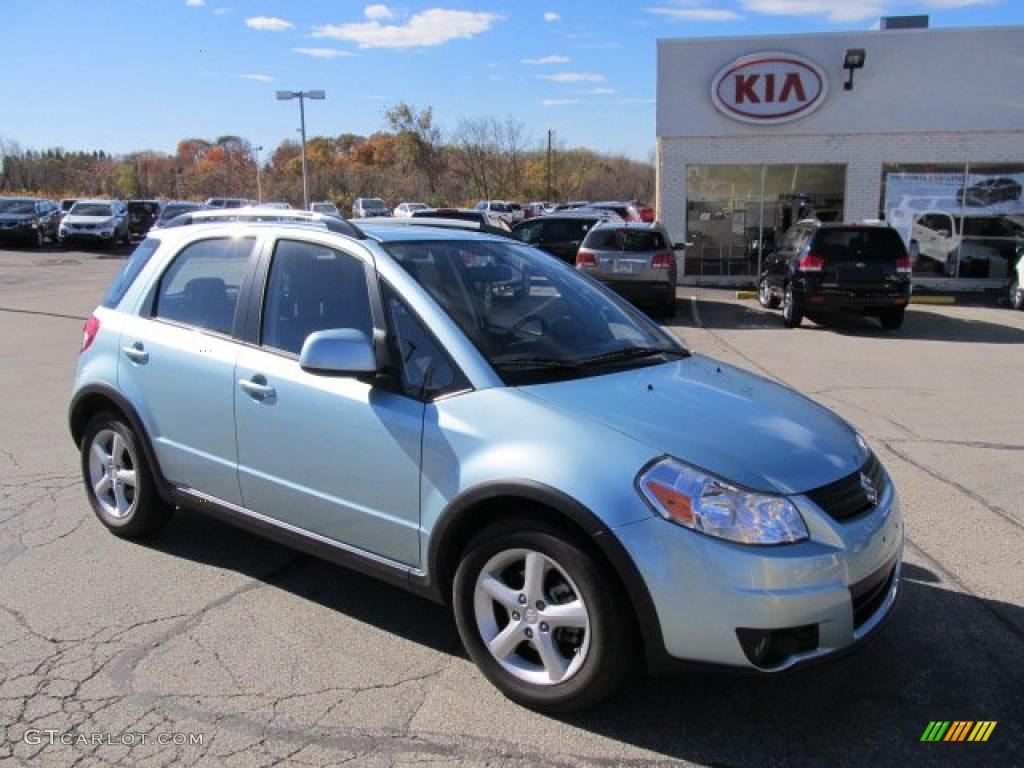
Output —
(863, 156)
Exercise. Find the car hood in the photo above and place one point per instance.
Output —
(16, 216)
(78, 219)
(738, 426)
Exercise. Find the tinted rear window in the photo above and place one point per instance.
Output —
(139, 258)
(859, 244)
(630, 240)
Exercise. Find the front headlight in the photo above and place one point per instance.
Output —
(701, 502)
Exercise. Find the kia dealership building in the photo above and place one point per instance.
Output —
(921, 127)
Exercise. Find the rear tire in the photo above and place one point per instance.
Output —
(765, 297)
(667, 310)
(792, 316)
(1016, 295)
(118, 480)
(40, 238)
(562, 633)
(891, 319)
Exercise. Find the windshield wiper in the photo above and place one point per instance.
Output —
(535, 362)
(631, 353)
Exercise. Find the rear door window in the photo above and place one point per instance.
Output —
(201, 286)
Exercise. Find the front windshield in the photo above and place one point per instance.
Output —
(176, 210)
(91, 209)
(17, 206)
(532, 317)
(373, 204)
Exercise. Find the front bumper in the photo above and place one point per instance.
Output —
(830, 592)
(18, 234)
(640, 291)
(88, 235)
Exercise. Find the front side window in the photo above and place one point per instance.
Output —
(201, 286)
(313, 288)
(425, 368)
(531, 317)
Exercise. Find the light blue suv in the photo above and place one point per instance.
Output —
(468, 417)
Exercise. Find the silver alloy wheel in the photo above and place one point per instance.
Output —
(531, 616)
(1016, 295)
(113, 474)
(766, 295)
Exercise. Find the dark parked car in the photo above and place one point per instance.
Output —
(820, 269)
(561, 234)
(28, 220)
(173, 209)
(141, 215)
(988, 192)
(636, 260)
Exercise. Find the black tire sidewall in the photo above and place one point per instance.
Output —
(791, 314)
(609, 656)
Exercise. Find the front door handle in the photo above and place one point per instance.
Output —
(136, 353)
(258, 389)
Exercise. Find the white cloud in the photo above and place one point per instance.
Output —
(551, 16)
(432, 27)
(548, 60)
(258, 78)
(833, 10)
(323, 53)
(268, 24)
(597, 91)
(695, 14)
(559, 102)
(378, 12)
(574, 77)
(195, 3)
(959, 3)
(221, 11)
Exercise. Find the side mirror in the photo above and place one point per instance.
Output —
(341, 351)
(680, 246)
(942, 232)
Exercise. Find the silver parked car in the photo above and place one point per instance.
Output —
(585, 493)
(365, 207)
(96, 221)
(637, 260)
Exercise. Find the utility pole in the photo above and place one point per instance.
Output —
(259, 185)
(548, 197)
(302, 96)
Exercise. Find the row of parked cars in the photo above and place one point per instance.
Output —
(510, 212)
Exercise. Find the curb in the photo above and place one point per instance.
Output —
(943, 300)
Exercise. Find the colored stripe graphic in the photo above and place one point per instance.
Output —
(935, 730)
(958, 730)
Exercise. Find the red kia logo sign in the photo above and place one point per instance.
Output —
(769, 88)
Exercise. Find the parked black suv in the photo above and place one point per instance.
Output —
(821, 269)
(28, 220)
(561, 234)
(141, 215)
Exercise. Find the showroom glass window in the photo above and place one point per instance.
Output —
(959, 221)
(736, 214)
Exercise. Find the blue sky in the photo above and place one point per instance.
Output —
(126, 75)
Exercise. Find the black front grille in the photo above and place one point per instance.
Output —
(847, 498)
(868, 594)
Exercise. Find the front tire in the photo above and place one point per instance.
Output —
(765, 297)
(541, 617)
(119, 481)
(792, 316)
(1016, 295)
(40, 239)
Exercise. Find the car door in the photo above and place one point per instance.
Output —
(336, 456)
(177, 363)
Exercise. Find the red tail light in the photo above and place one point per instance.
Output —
(663, 260)
(903, 265)
(812, 262)
(647, 215)
(89, 331)
(586, 258)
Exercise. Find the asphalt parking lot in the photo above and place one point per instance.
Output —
(279, 659)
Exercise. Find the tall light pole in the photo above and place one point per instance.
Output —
(302, 96)
(259, 185)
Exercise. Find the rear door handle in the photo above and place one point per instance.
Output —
(258, 389)
(136, 353)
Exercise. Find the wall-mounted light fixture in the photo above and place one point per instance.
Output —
(854, 59)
